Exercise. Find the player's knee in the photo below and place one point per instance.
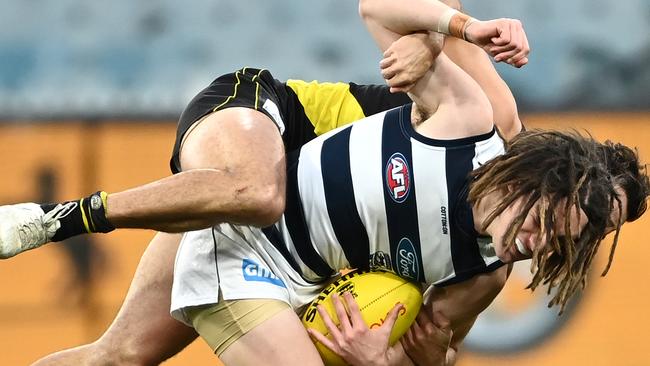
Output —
(365, 9)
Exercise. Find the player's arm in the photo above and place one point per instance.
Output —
(407, 60)
(453, 309)
(404, 61)
(477, 64)
(431, 342)
(427, 341)
(445, 89)
(457, 340)
(503, 39)
(403, 64)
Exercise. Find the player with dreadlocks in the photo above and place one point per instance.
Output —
(562, 175)
(552, 196)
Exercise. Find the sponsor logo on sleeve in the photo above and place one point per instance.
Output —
(398, 177)
(253, 271)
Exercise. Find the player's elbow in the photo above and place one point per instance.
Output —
(506, 117)
(509, 128)
(367, 9)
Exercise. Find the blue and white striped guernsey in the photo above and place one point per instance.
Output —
(376, 194)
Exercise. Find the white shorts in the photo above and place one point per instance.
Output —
(240, 262)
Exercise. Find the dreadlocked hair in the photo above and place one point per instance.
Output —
(555, 173)
(628, 173)
(631, 177)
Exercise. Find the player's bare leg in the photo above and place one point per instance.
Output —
(289, 345)
(143, 333)
(246, 146)
(233, 171)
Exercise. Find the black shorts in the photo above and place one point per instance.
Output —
(257, 89)
(249, 88)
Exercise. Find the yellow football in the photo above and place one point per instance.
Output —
(376, 293)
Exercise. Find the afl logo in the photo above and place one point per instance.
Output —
(398, 178)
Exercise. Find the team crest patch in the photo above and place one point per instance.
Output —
(398, 177)
(380, 261)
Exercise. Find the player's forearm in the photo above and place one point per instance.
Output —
(476, 63)
(407, 16)
(397, 356)
(385, 21)
(196, 199)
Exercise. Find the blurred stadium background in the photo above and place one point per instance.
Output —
(89, 94)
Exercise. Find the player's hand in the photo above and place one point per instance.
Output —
(352, 340)
(407, 59)
(427, 340)
(503, 39)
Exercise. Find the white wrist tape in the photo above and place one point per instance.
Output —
(454, 23)
(445, 19)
